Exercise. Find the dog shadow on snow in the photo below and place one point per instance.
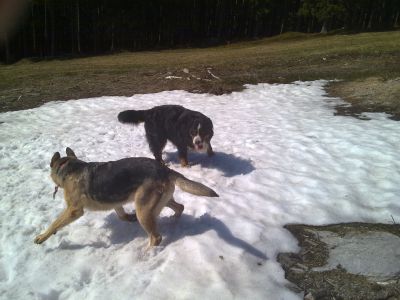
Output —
(173, 230)
(229, 164)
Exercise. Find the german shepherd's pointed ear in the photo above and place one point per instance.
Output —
(70, 153)
(56, 156)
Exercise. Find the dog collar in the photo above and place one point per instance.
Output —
(62, 165)
(55, 191)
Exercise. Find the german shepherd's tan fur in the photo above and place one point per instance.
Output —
(109, 185)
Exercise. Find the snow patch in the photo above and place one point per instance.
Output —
(281, 157)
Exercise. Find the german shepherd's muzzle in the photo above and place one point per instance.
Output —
(109, 185)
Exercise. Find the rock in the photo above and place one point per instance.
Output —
(345, 261)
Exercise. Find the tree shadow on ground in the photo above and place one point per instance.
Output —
(229, 164)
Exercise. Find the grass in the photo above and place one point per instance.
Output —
(280, 59)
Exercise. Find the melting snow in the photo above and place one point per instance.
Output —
(281, 157)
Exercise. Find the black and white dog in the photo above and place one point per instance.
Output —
(183, 127)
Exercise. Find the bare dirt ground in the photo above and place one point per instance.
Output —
(371, 94)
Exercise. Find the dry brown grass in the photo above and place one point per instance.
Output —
(285, 58)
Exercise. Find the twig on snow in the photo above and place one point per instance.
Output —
(209, 72)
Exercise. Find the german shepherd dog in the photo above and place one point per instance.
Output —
(109, 185)
(183, 127)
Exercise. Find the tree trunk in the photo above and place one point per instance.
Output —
(364, 22)
(45, 29)
(7, 48)
(25, 42)
(78, 35)
(396, 19)
(256, 27)
(323, 29)
(112, 37)
(312, 24)
(370, 20)
(72, 36)
(53, 30)
(96, 18)
(33, 31)
(160, 26)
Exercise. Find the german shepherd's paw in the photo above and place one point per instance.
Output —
(130, 217)
(40, 238)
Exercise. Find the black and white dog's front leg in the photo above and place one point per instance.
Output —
(210, 151)
(183, 154)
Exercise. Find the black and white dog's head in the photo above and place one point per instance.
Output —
(201, 133)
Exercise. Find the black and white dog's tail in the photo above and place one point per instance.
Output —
(132, 116)
(190, 186)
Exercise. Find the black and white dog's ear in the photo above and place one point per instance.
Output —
(70, 153)
(56, 156)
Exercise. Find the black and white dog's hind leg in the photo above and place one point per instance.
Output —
(156, 139)
(156, 147)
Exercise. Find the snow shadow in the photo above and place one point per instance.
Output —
(123, 232)
(229, 164)
(66, 245)
(171, 230)
(188, 225)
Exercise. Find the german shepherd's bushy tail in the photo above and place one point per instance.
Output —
(132, 116)
(190, 186)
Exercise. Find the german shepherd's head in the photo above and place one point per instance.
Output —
(58, 163)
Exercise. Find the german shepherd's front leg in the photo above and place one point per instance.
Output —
(69, 215)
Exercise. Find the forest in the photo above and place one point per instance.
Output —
(55, 28)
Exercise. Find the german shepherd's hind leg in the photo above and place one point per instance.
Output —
(124, 216)
(176, 207)
(145, 206)
(69, 215)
